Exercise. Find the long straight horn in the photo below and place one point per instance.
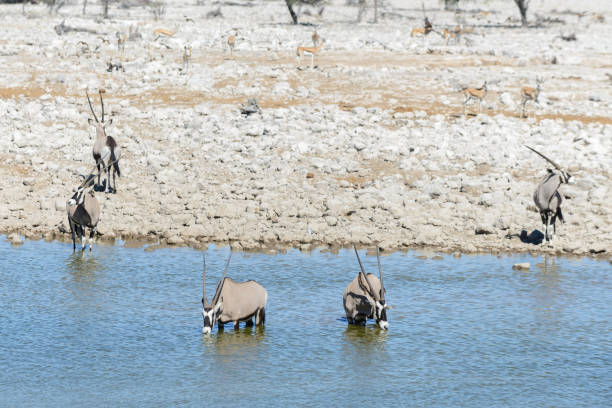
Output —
(222, 282)
(371, 290)
(100, 91)
(546, 158)
(382, 285)
(204, 280)
(91, 107)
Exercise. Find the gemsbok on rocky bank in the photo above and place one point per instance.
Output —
(364, 297)
(106, 152)
(547, 197)
(233, 302)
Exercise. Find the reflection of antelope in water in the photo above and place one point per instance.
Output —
(547, 197)
(106, 152)
(364, 297)
(233, 302)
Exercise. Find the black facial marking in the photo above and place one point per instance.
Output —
(207, 321)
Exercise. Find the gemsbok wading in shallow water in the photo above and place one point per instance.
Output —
(83, 212)
(233, 302)
(547, 197)
(106, 153)
(364, 297)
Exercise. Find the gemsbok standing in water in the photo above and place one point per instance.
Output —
(233, 302)
(547, 197)
(364, 297)
(106, 152)
(83, 212)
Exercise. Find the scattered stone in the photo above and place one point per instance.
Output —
(14, 239)
(522, 266)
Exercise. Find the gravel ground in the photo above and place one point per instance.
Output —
(369, 146)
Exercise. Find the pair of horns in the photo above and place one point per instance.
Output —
(362, 275)
(217, 294)
(100, 92)
(546, 158)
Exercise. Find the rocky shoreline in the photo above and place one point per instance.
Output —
(366, 148)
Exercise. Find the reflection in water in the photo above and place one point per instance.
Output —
(364, 338)
(233, 343)
(82, 266)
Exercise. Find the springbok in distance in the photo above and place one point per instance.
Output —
(474, 93)
(186, 58)
(162, 31)
(233, 302)
(312, 51)
(106, 153)
(530, 94)
(364, 297)
(231, 41)
(121, 40)
(315, 38)
(547, 197)
(448, 35)
(83, 212)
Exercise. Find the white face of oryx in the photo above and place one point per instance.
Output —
(381, 315)
(210, 316)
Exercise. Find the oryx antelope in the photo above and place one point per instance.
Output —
(530, 94)
(233, 302)
(547, 197)
(474, 93)
(106, 152)
(83, 212)
(364, 297)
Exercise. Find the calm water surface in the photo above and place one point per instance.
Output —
(122, 327)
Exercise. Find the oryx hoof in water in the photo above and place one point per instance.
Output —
(364, 297)
(547, 198)
(233, 302)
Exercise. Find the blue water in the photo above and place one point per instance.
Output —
(122, 327)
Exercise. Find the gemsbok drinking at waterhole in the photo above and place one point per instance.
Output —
(106, 152)
(364, 297)
(83, 212)
(547, 197)
(233, 302)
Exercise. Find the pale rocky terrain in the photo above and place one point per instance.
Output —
(370, 146)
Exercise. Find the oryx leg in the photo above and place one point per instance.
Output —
(249, 323)
(108, 179)
(236, 325)
(92, 231)
(72, 232)
(81, 234)
(98, 167)
(553, 220)
(311, 61)
(220, 326)
(114, 180)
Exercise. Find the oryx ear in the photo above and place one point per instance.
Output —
(110, 121)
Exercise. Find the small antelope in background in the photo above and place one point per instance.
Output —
(121, 40)
(163, 31)
(476, 94)
(315, 38)
(454, 35)
(186, 58)
(530, 94)
(83, 212)
(364, 297)
(312, 51)
(426, 29)
(231, 42)
(233, 302)
(106, 152)
(547, 197)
